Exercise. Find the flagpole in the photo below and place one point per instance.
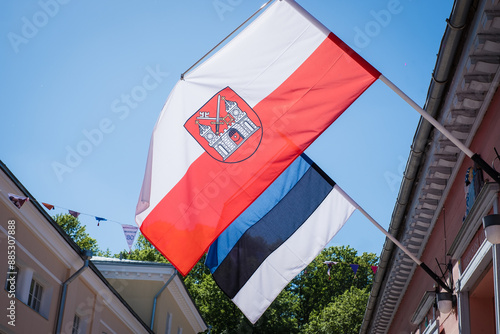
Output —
(474, 156)
(422, 265)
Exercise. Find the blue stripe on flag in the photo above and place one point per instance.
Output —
(263, 237)
(258, 209)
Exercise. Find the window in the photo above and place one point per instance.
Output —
(432, 328)
(35, 295)
(169, 323)
(76, 325)
(473, 183)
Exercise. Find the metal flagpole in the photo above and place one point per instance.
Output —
(474, 156)
(422, 265)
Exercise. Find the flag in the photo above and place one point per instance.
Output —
(74, 213)
(233, 124)
(277, 236)
(329, 264)
(18, 200)
(130, 232)
(48, 206)
(354, 268)
(99, 219)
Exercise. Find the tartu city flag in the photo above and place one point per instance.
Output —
(234, 123)
(277, 236)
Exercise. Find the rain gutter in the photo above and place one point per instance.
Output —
(435, 94)
(87, 255)
(158, 294)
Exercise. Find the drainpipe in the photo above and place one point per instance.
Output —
(87, 254)
(158, 294)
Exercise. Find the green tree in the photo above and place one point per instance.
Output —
(316, 290)
(215, 307)
(72, 226)
(106, 253)
(342, 316)
(143, 251)
(224, 316)
(302, 301)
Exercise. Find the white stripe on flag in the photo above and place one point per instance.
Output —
(293, 256)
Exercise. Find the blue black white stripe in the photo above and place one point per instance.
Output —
(278, 236)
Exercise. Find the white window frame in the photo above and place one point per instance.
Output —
(432, 328)
(486, 200)
(76, 324)
(35, 295)
(168, 325)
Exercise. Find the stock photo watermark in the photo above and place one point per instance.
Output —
(12, 273)
(380, 19)
(32, 24)
(121, 107)
(222, 7)
(393, 179)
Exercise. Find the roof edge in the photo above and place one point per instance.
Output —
(438, 86)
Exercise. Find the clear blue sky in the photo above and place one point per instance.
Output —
(92, 77)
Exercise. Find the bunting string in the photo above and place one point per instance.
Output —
(129, 231)
(354, 267)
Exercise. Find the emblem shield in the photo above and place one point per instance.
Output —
(226, 127)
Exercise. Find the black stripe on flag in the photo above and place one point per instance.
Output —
(268, 234)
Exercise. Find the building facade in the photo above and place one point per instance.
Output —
(444, 195)
(52, 286)
(156, 292)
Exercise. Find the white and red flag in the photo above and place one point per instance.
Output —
(233, 124)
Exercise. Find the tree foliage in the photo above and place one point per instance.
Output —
(344, 315)
(211, 301)
(223, 316)
(316, 289)
(72, 226)
(312, 301)
(143, 251)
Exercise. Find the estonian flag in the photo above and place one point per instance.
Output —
(278, 236)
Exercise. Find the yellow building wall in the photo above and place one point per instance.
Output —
(139, 294)
(37, 259)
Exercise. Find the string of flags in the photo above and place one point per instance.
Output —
(354, 267)
(130, 231)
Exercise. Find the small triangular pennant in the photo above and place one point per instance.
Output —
(130, 231)
(48, 206)
(18, 200)
(74, 213)
(99, 219)
(354, 268)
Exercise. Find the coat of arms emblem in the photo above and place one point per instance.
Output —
(226, 127)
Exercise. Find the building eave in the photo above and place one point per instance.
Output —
(113, 268)
(68, 252)
(464, 81)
